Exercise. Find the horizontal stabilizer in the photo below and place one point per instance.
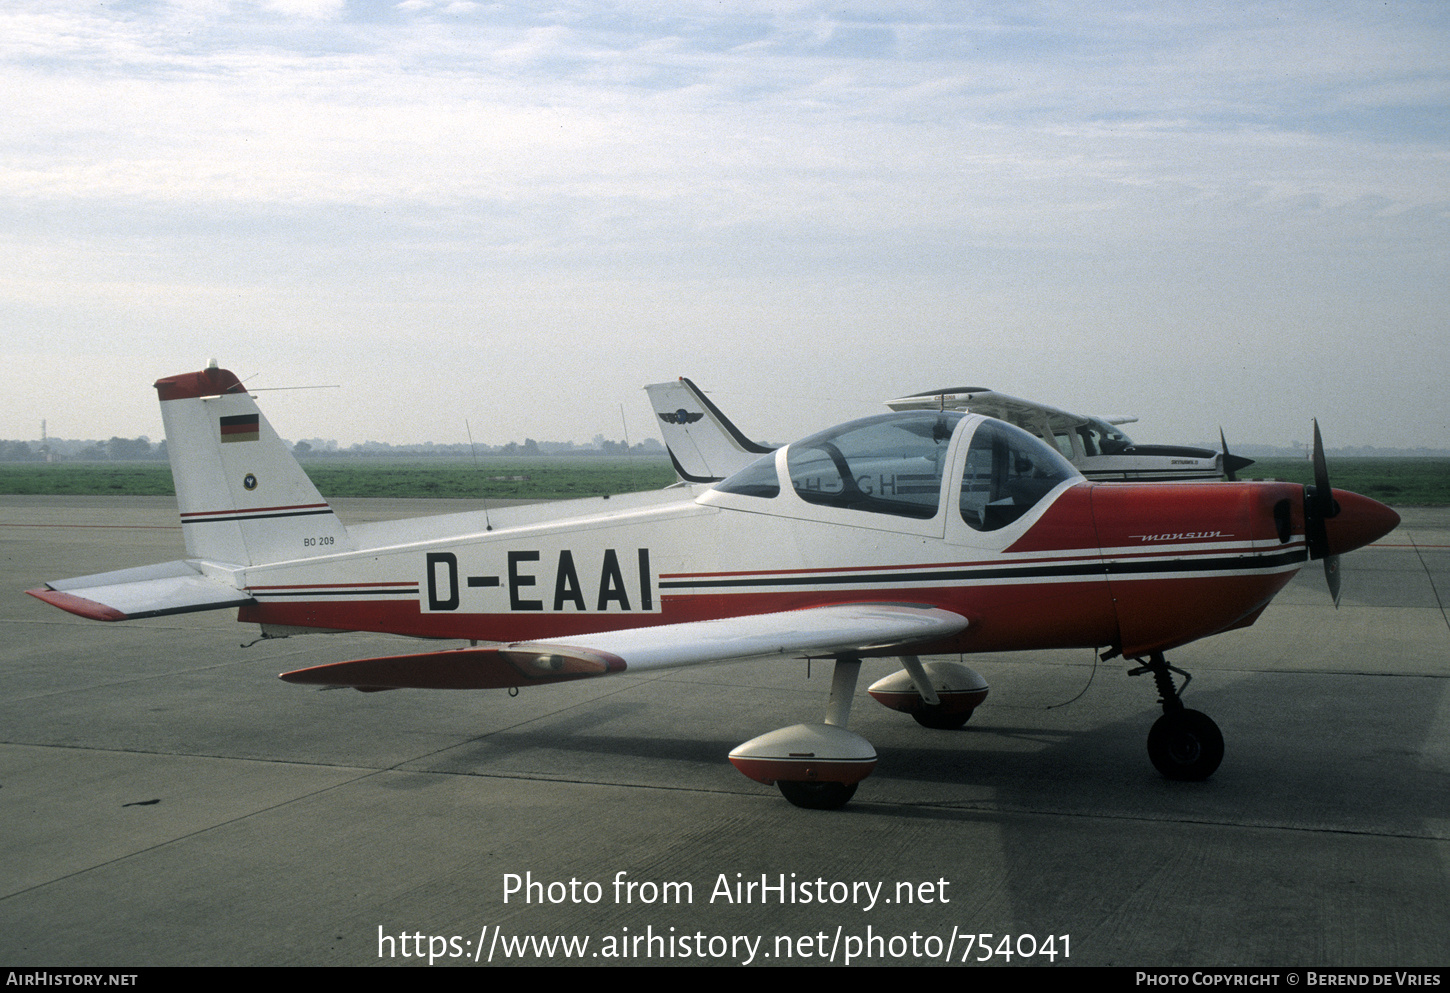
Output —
(149, 591)
(819, 631)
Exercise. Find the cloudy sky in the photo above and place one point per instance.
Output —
(518, 214)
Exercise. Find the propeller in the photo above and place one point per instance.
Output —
(1320, 506)
(1231, 463)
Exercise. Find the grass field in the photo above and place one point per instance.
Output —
(1397, 482)
(1403, 482)
(539, 478)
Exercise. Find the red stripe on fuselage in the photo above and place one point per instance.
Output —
(1161, 613)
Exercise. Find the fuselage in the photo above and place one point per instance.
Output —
(1031, 553)
(1151, 464)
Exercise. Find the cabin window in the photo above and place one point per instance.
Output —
(758, 479)
(889, 464)
(1063, 441)
(1007, 472)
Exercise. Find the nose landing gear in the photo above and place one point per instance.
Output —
(1183, 744)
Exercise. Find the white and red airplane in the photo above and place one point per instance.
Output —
(904, 534)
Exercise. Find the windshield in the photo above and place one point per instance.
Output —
(1007, 472)
(758, 479)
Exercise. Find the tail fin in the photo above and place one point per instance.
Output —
(704, 446)
(243, 498)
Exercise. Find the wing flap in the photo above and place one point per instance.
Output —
(149, 591)
(817, 631)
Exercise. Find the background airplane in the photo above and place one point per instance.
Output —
(1093, 444)
(706, 447)
(703, 443)
(904, 534)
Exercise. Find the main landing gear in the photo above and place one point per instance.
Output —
(818, 766)
(1183, 744)
(938, 695)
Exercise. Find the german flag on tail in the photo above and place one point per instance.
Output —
(241, 427)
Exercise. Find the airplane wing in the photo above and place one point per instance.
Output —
(703, 444)
(814, 632)
(148, 591)
(1037, 418)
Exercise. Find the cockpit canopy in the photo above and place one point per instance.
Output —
(886, 464)
(896, 465)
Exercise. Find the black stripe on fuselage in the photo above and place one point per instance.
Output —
(1046, 572)
(271, 594)
(256, 517)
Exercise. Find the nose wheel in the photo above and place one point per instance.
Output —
(1183, 744)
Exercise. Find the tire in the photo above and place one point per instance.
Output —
(939, 718)
(1185, 745)
(817, 796)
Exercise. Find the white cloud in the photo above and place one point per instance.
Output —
(309, 9)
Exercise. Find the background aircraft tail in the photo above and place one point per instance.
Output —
(243, 498)
(704, 446)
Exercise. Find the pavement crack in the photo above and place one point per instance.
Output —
(1430, 576)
